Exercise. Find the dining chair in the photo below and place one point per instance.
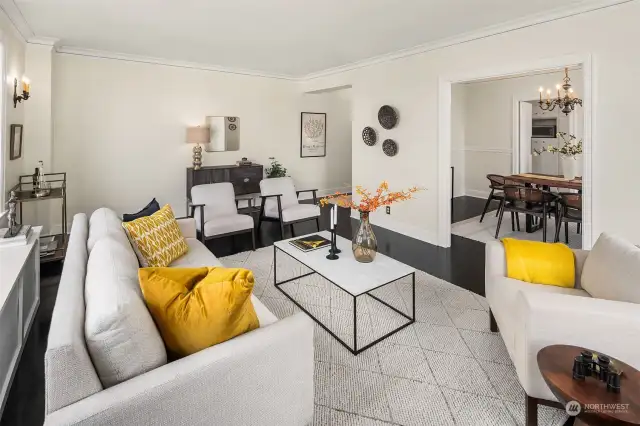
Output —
(280, 204)
(530, 201)
(497, 183)
(219, 215)
(569, 211)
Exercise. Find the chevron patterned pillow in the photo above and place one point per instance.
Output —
(157, 237)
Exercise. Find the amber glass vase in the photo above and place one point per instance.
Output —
(364, 244)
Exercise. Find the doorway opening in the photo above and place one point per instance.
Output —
(491, 124)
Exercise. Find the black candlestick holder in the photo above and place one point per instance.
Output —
(333, 251)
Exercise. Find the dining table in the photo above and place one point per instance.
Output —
(545, 182)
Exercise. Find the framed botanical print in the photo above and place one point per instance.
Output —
(313, 134)
(15, 146)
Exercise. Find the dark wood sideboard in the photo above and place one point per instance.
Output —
(245, 179)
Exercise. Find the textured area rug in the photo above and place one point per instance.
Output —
(446, 369)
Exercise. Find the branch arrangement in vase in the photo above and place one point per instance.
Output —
(364, 244)
(570, 148)
(370, 202)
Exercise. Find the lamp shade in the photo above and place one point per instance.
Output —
(198, 135)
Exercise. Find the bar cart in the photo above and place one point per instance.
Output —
(52, 247)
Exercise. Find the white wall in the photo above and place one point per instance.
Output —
(489, 123)
(119, 129)
(411, 84)
(14, 52)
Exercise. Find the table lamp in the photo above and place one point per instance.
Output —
(197, 135)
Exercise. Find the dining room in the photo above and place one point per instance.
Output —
(533, 207)
(516, 156)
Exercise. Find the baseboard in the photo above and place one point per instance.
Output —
(476, 193)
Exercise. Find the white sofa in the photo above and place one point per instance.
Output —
(602, 313)
(264, 377)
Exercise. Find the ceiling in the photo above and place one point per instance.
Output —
(278, 37)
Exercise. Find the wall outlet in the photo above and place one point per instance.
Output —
(388, 209)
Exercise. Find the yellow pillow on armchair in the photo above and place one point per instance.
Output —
(540, 263)
(195, 308)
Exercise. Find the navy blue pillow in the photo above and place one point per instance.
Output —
(148, 210)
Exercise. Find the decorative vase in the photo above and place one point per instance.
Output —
(364, 244)
(569, 167)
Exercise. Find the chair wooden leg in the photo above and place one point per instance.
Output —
(281, 229)
(513, 222)
(493, 325)
(518, 221)
(486, 205)
(318, 223)
(556, 238)
(579, 228)
(253, 238)
(531, 417)
(499, 220)
(566, 232)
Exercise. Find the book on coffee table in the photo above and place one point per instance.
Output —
(310, 242)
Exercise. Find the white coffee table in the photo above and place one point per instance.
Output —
(355, 278)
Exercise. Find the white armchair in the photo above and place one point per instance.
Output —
(280, 204)
(531, 317)
(219, 215)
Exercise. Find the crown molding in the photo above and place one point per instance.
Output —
(44, 41)
(20, 24)
(77, 51)
(528, 21)
(22, 27)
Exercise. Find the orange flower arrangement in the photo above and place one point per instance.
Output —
(370, 202)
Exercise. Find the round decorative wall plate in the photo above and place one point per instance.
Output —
(232, 126)
(390, 147)
(387, 117)
(369, 136)
(231, 119)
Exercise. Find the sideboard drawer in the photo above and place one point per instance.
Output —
(246, 180)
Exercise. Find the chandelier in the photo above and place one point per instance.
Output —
(566, 103)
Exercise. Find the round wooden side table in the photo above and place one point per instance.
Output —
(597, 406)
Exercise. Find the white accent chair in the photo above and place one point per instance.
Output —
(601, 313)
(280, 204)
(219, 215)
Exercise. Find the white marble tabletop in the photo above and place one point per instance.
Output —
(346, 272)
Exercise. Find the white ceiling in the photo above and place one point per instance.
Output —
(284, 37)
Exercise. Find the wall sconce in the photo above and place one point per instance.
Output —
(25, 92)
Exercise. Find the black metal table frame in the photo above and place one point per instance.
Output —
(354, 350)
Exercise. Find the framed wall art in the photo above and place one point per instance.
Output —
(15, 146)
(313, 134)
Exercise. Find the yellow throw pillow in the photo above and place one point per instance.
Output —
(195, 308)
(540, 263)
(157, 237)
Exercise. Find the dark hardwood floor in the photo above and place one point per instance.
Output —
(461, 264)
(465, 207)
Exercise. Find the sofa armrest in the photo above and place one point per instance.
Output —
(187, 227)
(548, 319)
(580, 256)
(262, 377)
